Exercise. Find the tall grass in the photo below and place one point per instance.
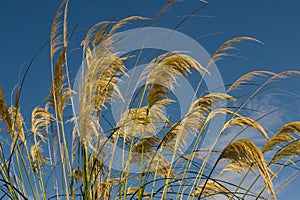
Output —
(54, 157)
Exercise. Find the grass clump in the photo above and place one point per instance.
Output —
(58, 157)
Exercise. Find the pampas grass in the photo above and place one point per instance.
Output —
(39, 162)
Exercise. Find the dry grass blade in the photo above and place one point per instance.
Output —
(145, 146)
(142, 121)
(292, 127)
(246, 154)
(142, 147)
(218, 111)
(99, 86)
(17, 123)
(284, 135)
(107, 83)
(212, 188)
(279, 138)
(247, 77)
(284, 74)
(291, 149)
(206, 103)
(96, 63)
(156, 94)
(228, 45)
(162, 72)
(40, 119)
(124, 21)
(59, 95)
(163, 9)
(164, 69)
(55, 37)
(99, 36)
(36, 156)
(65, 25)
(234, 167)
(251, 75)
(194, 119)
(149, 142)
(201, 107)
(59, 75)
(245, 121)
(4, 113)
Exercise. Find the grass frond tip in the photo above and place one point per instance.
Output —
(246, 154)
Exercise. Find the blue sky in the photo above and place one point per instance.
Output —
(25, 27)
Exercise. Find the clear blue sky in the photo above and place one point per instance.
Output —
(25, 27)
